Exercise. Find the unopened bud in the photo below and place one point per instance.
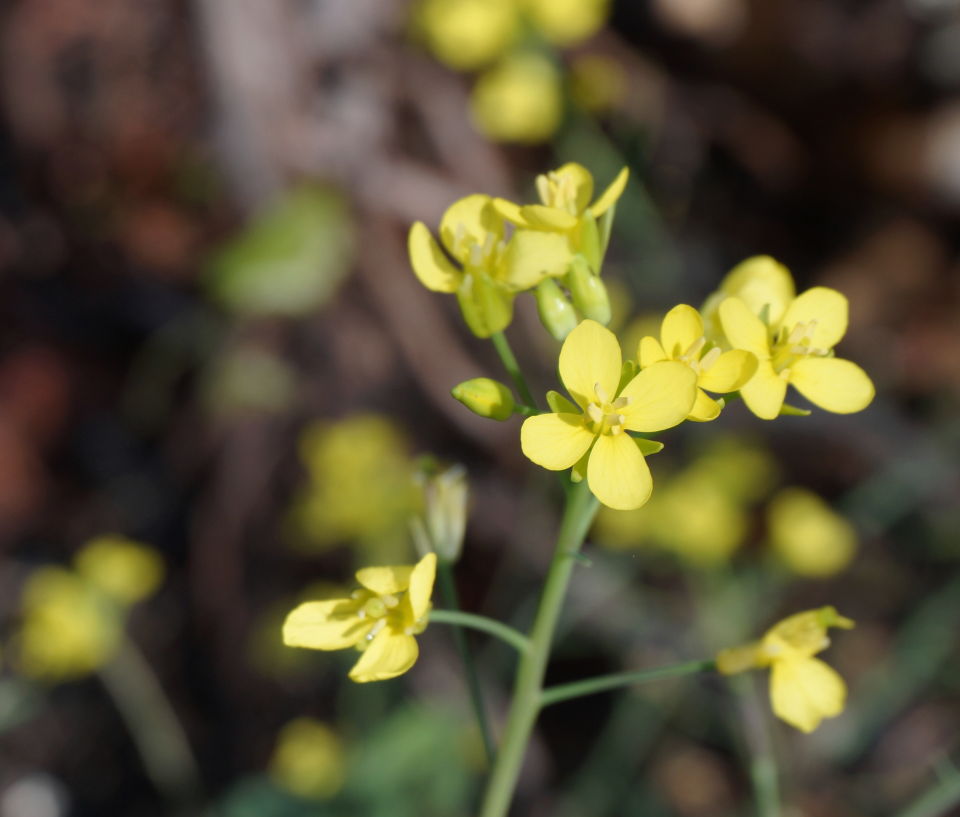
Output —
(486, 306)
(556, 312)
(440, 526)
(486, 397)
(587, 291)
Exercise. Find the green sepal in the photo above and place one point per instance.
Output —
(560, 404)
(648, 447)
(792, 411)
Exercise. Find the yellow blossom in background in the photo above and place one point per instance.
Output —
(381, 619)
(567, 22)
(309, 760)
(518, 100)
(591, 436)
(68, 628)
(359, 488)
(810, 538)
(468, 34)
(598, 83)
(803, 689)
(795, 348)
(122, 569)
(492, 269)
(745, 469)
(682, 339)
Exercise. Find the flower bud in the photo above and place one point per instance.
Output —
(440, 526)
(486, 397)
(487, 307)
(587, 291)
(589, 242)
(555, 310)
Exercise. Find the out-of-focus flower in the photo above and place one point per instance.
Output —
(567, 22)
(440, 525)
(518, 100)
(359, 489)
(795, 348)
(808, 536)
(803, 689)
(468, 34)
(591, 437)
(309, 760)
(486, 397)
(492, 269)
(120, 568)
(381, 619)
(682, 339)
(597, 83)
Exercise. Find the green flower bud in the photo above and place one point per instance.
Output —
(442, 521)
(555, 310)
(589, 242)
(487, 307)
(587, 291)
(485, 397)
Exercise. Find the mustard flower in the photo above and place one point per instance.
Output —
(797, 349)
(567, 22)
(682, 339)
(491, 268)
(591, 435)
(803, 689)
(467, 34)
(309, 760)
(762, 283)
(380, 618)
(810, 538)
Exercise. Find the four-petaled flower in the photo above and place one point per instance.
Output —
(797, 348)
(803, 689)
(380, 618)
(592, 433)
(682, 338)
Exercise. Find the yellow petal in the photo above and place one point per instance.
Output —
(582, 181)
(589, 356)
(681, 328)
(649, 351)
(705, 408)
(761, 283)
(469, 221)
(533, 255)
(743, 328)
(730, 371)
(804, 691)
(610, 196)
(325, 625)
(421, 585)
(385, 581)
(390, 654)
(559, 403)
(618, 474)
(660, 397)
(510, 211)
(765, 391)
(434, 270)
(826, 308)
(541, 217)
(555, 441)
(832, 383)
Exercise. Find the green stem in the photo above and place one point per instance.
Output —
(578, 515)
(602, 683)
(936, 801)
(502, 345)
(153, 724)
(504, 632)
(764, 774)
(449, 592)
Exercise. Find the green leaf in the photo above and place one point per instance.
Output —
(289, 261)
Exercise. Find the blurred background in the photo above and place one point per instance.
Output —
(212, 344)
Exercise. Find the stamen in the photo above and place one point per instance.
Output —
(693, 352)
(595, 412)
(601, 393)
(543, 188)
(621, 402)
(710, 358)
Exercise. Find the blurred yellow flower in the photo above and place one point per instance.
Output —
(309, 760)
(807, 535)
(682, 339)
(381, 618)
(803, 689)
(468, 34)
(567, 22)
(120, 568)
(591, 436)
(598, 83)
(518, 100)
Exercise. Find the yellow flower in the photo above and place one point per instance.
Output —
(803, 689)
(811, 539)
(492, 270)
(380, 618)
(591, 435)
(682, 339)
(309, 760)
(566, 22)
(762, 283)
(120, 568)
(466, 34)
(518, 100)
(598, 83)
(796, 349)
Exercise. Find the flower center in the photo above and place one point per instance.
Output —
(603, 415)
(692, 356)
(485, 256)
(793, 345)
(558, 190)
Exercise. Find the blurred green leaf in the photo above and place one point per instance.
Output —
(290, 260)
